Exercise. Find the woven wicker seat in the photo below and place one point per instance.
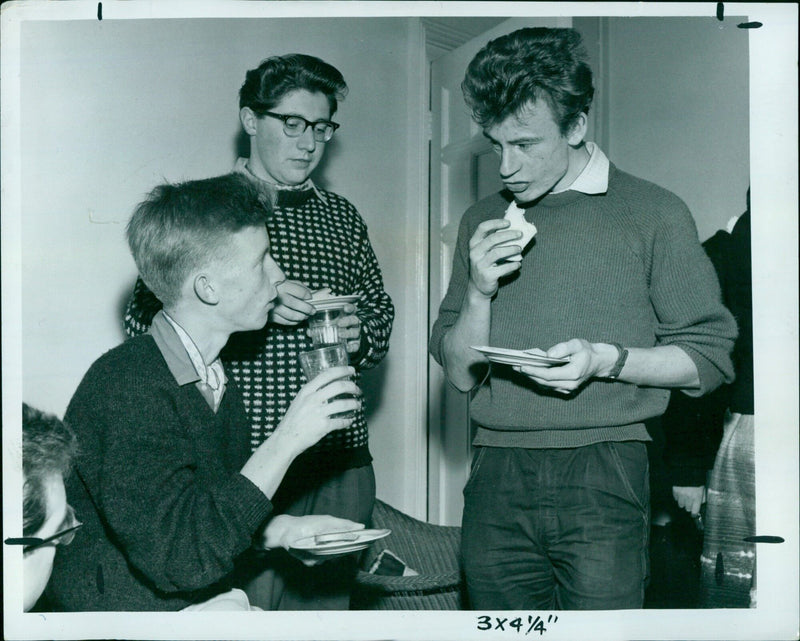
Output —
(432, 550)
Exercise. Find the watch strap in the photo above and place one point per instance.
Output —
(617, 368)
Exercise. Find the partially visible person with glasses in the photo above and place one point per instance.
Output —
(286, 106)
(48, 521)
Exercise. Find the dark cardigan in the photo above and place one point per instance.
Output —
(158, 488)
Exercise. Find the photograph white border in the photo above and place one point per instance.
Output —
(773, 161)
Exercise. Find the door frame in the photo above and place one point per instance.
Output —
(415, 315)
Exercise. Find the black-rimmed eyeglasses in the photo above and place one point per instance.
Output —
(63, 537)
(294, 126)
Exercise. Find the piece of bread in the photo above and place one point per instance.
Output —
(335, 537)
(516, 217)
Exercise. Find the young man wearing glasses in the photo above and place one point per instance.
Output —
(321, 242)
(48, 521)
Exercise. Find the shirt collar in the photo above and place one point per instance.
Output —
(183, 356)
(173, 350)
(242, 167)
(594, 177)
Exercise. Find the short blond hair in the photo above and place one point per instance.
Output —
(180, 227)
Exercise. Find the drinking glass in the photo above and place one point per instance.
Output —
(322, 327)
(317, 360)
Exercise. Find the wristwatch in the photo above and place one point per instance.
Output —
(617, 368)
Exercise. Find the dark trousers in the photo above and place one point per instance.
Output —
(557, 528)
(278, 581)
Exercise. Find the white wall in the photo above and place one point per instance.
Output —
(111, 108)
(678, 110)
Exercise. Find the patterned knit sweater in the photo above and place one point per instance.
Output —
(157, 485)
(323, 242)
(625, 266)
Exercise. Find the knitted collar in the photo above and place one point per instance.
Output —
(285, 196)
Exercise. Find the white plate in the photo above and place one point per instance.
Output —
(332, 302)
(329, 544)
(517, 357)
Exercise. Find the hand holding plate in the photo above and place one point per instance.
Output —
(585, 361)
(284, 530)
(293, 303)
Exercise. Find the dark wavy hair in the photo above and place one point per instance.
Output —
(266, 85)
(48, 448)
(182, 226)
(526, 66)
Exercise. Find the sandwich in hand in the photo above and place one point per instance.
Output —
(516, 217)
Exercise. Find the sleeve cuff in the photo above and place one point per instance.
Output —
(253, 505)
(709, 375)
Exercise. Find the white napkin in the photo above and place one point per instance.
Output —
(517, 218)
(321, 294)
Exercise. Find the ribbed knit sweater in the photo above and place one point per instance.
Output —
(625, 266)
(322, 244)
(165, 510)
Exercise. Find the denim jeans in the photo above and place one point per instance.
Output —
(557, 528)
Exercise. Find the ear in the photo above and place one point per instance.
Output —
(204, 289)
(248, 118)
(578, 131)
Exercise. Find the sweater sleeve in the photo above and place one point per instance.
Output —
(686, 297)
(693, 426)
(142, 307)
(375, 307)
(178, 522)
(450, 307)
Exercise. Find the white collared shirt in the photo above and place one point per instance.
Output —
(212, 375)
(594, 177)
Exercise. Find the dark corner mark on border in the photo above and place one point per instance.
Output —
(741, 25)
(99, 10)
(765, 538)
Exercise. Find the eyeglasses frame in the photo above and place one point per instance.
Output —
(285, 117)
(31, 543)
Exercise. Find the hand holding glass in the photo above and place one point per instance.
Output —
(317, 360)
